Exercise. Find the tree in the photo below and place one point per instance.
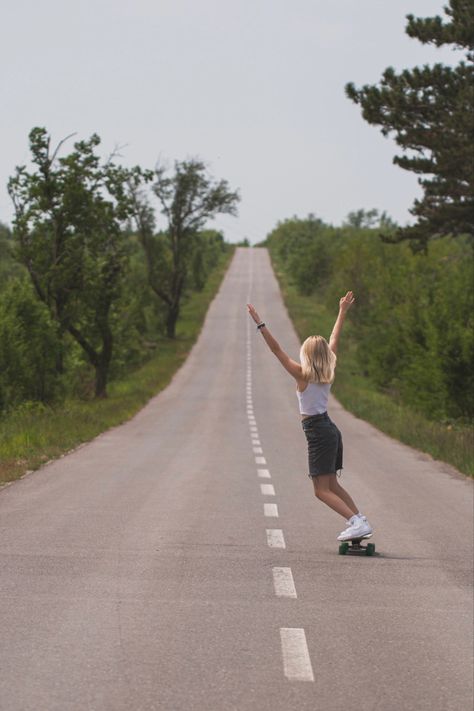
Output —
(361, 218)
(28, 343)
(9, 266)
(369, 218)
(188, 199)
(5, 244)
(211, 246)
(430, 111)
(70, 233)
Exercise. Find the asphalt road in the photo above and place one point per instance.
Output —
(149, 570)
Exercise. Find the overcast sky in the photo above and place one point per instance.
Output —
(253, 87)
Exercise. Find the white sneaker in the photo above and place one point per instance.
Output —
(357, 528)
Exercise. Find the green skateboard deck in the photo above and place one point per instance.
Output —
(355, 547)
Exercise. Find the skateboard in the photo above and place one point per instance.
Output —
(355, 547)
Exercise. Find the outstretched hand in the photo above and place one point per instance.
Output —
(346, 301)
(253, 313)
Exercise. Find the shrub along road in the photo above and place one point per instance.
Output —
(181, 561)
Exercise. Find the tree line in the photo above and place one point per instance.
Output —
(88, 282)
(413, 324)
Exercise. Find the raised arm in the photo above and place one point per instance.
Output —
(290, 365)
(345, 304)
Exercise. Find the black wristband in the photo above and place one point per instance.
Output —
(260, 325)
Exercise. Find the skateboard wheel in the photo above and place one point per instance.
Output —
(370, 550)
(343, 548)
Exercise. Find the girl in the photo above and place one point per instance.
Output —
(314, 377)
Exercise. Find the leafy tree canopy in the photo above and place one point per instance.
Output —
(369, 218)
(70, 232)
(188, 198)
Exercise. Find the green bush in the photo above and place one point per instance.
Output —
(28, 347)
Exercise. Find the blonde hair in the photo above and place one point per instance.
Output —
(318, 362)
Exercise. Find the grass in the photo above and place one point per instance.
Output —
(35, 433)
(451, 443)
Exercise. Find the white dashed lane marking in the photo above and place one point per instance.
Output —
(296, 661)
(283, 582)
(270, 510)
(275, 538)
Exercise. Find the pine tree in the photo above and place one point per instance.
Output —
(430, 111)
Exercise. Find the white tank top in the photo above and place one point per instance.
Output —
(314, 398)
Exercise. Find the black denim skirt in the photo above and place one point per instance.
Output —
(324, 444)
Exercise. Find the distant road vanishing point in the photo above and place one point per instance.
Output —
(181, 561)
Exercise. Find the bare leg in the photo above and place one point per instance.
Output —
(324, 493)
(343, 494)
